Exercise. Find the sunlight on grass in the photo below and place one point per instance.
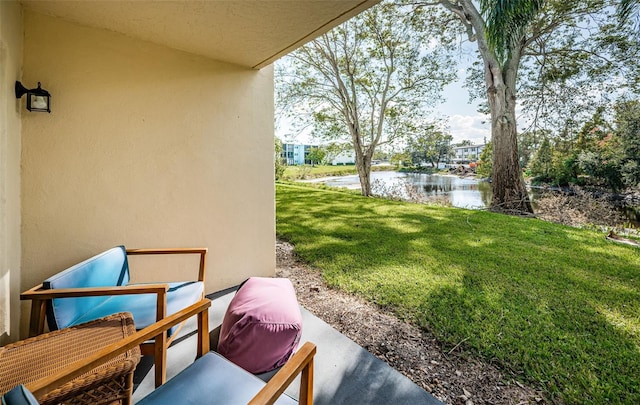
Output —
(607, 248)
(623, 322)
(559, 306)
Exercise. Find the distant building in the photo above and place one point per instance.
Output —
(469, 152)
(296, 154)
(344, 158)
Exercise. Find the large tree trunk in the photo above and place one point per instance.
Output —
(508, 187)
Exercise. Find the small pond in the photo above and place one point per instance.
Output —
(459, 192)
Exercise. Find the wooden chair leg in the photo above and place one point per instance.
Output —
(203, 333)
(306, 385)
(36, 323)
(160, 358)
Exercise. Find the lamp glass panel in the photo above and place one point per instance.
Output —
(39, 102)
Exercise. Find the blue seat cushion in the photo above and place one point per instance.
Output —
(211, 379)
(143, 306)
(20, 395)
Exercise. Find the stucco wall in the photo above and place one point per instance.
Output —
(147, 147)
(10, 63)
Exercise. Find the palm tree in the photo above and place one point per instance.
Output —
(628, 8)
(499, 28)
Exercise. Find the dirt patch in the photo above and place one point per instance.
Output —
(452, 376)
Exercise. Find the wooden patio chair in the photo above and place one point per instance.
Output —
(100, 286)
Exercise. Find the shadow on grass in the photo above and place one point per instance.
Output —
(558, 306)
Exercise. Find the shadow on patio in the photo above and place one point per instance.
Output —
(344, 373)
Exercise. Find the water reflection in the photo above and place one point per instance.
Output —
(457, 191)
(460, 192)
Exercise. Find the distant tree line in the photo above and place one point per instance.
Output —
(431, 145)
(601, 152)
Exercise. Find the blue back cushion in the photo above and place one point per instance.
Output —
(109, 268)
(20, 395)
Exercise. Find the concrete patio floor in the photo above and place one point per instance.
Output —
(344, 373)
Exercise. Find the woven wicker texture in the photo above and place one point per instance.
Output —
(40, 356)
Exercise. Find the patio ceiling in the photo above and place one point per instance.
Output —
(251, 33)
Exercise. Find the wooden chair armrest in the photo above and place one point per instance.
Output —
(300, 362)
(44, 385)
(36, 323)
(168, 251)
(37, 293)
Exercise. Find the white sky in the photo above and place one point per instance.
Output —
(465, 122)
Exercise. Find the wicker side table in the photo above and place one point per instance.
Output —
(40, 356)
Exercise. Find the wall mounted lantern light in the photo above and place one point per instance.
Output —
(37, 99)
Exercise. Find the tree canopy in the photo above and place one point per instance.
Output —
(371, 80)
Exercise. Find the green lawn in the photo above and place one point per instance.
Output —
(311, 172)
(557, 307)
(307, 171)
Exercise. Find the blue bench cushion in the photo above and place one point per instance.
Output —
(211, 379)
(111, 268)
(143, 306)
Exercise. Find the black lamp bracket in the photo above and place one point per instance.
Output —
(21, 90)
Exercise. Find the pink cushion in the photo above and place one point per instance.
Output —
(262, 326)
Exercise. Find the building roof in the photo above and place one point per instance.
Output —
(470, 146)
